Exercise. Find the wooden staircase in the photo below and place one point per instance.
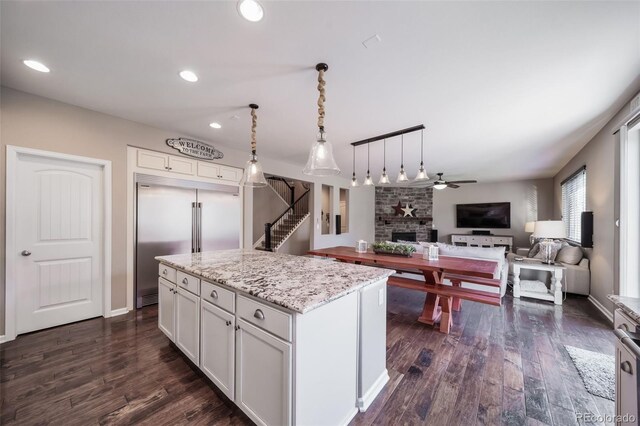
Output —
(277, 232)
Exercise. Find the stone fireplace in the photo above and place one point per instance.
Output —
(388, 223)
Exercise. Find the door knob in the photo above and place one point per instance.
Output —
(26, 253)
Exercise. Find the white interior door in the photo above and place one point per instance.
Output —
(58, 251)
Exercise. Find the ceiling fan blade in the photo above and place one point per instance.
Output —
(463, 181)
(452, 185)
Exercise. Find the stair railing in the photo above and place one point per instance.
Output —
(285, 190)
(298, 209)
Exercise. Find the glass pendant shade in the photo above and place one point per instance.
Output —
(422, 174)
(402, 176)
(354, 181)
(321, 161)
(368, 181)
(384, 178)
(253, 175)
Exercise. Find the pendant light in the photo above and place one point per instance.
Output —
(368, 181)
(321, 161)
(384, 178)
(253, 175)
(422, 174)
(402, 176)
(354, 180)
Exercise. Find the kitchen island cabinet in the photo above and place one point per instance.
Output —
(291, 340)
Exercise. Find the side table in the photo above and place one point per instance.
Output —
(554, 294)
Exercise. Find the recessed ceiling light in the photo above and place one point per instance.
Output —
(35, 65)
(189, 76)
(215, 125)
(251, 10)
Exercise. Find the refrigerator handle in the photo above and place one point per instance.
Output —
(199, 230)
(193, 227)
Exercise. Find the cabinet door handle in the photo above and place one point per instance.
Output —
(165, 272)
(626, 367)
(214, 294)
(185, 281)
(258, 314)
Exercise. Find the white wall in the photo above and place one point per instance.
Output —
(530, 200)
(599, 155)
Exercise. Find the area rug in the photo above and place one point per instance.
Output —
(598, 371)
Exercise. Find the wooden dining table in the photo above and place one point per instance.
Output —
(440, 299)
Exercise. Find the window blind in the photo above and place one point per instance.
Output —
(574, 202)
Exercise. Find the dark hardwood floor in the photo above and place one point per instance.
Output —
(502, 365)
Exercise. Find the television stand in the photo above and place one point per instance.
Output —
(470, 240)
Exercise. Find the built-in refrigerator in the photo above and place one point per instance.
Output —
(175, 216)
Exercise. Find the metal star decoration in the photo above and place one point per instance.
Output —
(408, 211)
(398, 209)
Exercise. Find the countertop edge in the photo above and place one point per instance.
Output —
(624, 303)
(384, 274)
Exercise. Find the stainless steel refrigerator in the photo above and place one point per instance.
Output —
(175, 216)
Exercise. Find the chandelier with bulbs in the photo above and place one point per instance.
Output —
(402, 174)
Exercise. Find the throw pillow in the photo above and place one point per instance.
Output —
(555, 248)
(534, 250)
(570, 255)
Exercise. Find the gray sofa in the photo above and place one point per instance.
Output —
(576, 278)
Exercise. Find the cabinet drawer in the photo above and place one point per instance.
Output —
(218, 296)
(167, 272)
(265, 317)
(189, 282)
(502, 241)
(621, 320)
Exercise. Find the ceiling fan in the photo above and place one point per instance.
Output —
(440, 183)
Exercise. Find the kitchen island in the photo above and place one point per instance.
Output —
(289, 339)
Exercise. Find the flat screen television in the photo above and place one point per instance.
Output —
(487, 215)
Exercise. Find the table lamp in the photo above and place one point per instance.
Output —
(549, 230)
(529, 227)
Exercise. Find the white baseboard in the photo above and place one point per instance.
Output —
(373, 391)
(120, 311)
(601, 308)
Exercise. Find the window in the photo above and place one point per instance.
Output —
(574, 202)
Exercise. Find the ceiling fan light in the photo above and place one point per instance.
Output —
(253, 175)
(321, 161)
(440, 185)
(402, 176)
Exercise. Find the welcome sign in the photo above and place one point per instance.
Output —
(194, 148)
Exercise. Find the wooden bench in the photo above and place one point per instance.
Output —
(447, 296)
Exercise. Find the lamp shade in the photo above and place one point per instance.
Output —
(529, 227)
(550, 229)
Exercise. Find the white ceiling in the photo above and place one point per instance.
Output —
(506, 89)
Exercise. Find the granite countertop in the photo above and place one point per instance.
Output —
(294, 282)
(629, 305)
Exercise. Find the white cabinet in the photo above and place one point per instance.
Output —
(182, 165)
(626, 383)
(217, 340)
(471, 240)
(187, 166)
(187, 332)
(153, 160)
(166, 307)
(218, 171)
(263, 385)
(231, 174)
